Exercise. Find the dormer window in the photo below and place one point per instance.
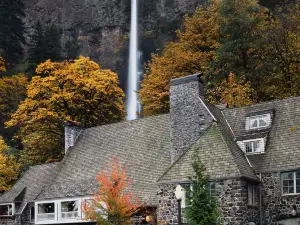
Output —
(258, 122)
(253, 146)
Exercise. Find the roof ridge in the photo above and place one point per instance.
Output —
(128, 121)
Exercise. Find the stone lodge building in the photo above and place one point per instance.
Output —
(252, 154)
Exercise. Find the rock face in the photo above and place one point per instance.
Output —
(101, 27)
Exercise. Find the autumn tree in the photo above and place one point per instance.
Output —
(9, 167)
(2, 65)
(114, 203)
(192, 52)
(283, 33)
(79, 91)
(234, 92)
(12, 93)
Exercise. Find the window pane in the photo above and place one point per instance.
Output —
(255, 146)
(297, 174)
(287, 183)
(248, 147)
(262, 122)
(253, 123)
(285, 190)
(6, 210)
(250, 194)
(69, 206)
(46, 208)
(212, 189)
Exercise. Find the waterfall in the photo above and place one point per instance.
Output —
(133, 105)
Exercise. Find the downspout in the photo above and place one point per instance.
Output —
(260, 200)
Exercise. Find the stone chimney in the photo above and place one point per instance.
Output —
(72, 132)
(189, 116)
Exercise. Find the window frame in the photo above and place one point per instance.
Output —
(251, 119)
(261, 147)
(13, 209)
(77, 211)
(294, 183)
(251, 194)
(37, 212)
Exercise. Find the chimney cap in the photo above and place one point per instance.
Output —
(72, 123)
(187, 79)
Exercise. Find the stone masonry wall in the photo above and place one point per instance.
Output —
(275, 206)
(189, 118)
(232, 198)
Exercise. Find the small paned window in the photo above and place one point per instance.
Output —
(252, 191)
(253, 146)
(260, 121)
(212, 189)
(290, 183)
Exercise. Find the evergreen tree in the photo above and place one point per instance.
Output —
(202, 209)
(71, 49)
(52, 39)
(44, 45)
(11, 30)
(36, 47)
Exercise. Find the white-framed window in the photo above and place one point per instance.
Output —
(290, 183)
(69, 210)
(258, 122)
(253, 146)
(7, 209)
(252, 192)
(46, 211)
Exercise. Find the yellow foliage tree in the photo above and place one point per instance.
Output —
(234, 92)
(9, 168)
(191, 53)
(2, 65)
(12, 92)
(283, 53)
(78, 91)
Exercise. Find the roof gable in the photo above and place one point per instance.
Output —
(143, 146)
(283, 137)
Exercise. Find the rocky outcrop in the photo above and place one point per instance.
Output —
(101, 27)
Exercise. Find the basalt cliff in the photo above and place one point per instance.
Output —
(101, 28)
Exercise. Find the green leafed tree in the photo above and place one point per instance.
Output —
(202, 207)
(240, 39)
(11, 31)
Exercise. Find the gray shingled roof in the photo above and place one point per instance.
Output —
(218, 152)
(30, 184)
(143, 146)
(283, 138)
